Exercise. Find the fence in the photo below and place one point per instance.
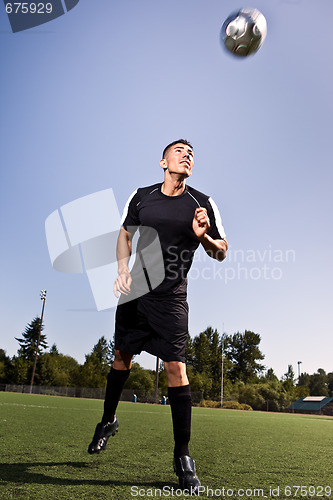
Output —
(92, 393)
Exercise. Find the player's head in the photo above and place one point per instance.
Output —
(174, 143)
(178, 159)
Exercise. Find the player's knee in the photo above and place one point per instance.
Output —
(122, 360)
(175, 370)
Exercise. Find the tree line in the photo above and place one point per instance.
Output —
(245, 379)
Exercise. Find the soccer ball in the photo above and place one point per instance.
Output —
(244, 32)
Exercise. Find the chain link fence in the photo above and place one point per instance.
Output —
(94, 393)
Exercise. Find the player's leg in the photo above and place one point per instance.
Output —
(179, 395)
(117, 377)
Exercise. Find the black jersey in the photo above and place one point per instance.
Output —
(172, 217)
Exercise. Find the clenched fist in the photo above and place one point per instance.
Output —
(200, 222)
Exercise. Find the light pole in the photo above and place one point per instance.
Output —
(222, 352)
(299, 369)
(156, 378)
(43, 298)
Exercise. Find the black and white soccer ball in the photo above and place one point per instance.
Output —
(244, 32)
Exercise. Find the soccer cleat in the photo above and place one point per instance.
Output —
(101, 436)
(184, 467)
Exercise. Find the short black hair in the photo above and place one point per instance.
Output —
(180, 141)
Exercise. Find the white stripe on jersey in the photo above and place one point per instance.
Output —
(126, 207)
(193, 198)
(217, 218)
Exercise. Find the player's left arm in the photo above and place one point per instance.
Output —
(215, 248)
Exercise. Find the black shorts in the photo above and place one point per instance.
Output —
(155, 325)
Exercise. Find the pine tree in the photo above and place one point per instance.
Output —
(28, 344)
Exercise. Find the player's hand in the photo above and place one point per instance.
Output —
(122, 283)
(200, 222)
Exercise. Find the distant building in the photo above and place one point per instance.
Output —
(320, 405)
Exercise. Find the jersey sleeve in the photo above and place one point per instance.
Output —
(216, 230)
(131, 214)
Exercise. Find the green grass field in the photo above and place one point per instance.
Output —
(238, 454)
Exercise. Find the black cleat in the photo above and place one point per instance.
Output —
(101, 436)
(184, 467)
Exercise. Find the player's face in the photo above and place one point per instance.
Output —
(179, 160)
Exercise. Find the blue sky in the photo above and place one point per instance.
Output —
(89, 101)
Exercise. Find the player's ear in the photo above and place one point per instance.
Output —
(163, 164)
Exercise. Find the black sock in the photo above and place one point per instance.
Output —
(181, 408)
(114, 387)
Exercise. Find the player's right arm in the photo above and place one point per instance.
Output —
(124, 250)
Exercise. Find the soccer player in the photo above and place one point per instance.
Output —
(155, 320)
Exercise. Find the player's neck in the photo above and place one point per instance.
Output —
(173, 187)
